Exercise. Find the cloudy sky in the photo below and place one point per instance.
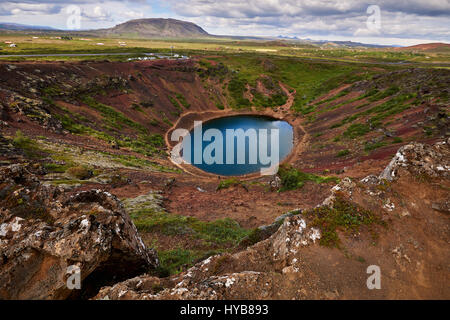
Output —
(402, 22)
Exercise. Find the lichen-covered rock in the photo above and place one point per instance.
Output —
(43, 232)
(201, 282)
(7, 149)
(420, 159)
(345, 185)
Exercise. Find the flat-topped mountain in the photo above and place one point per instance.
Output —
(156, 28)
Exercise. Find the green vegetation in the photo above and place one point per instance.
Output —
(28, 145)
(317, 79)
(375, 95)
(356, 130)
(182, 100)
(137, 107)
(176, 260)
(135, 162)
(237, 88)
(154, 122)
(143, 143)
(225, 232)
(372, 146)
(275, 100)
(216, 236)
(292, 178)
(344, 216)
(21, 141)
(176, 105)
(231, 182)
(343, 153)
(80, 172)
(112, 117)
(389, 108)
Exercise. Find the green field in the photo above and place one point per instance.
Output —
(28, 44)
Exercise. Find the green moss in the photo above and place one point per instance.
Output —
(356, 130)
(182, 100)
(154, 122)
(222, 233)
(237, 88)
(227, 183)
(275, 100)
(28, 145)
(376, 95)
(137, 107)
(292, 178)
(343, 153)
(343, 215)
(373, 146)
(80, 172)
(397, 140)
(112, 117)
(177, 260)
(21, 141)
(53, 90)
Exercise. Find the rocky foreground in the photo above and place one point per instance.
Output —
(44, 230)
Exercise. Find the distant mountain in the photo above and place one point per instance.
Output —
(349, 44)
(327, 43)
(155, 28)
(437, 46)
(22, 27)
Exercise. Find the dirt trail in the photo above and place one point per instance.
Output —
(303, 144)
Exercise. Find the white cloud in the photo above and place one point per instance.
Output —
(133, 14)
(10, 8)
(96, 14)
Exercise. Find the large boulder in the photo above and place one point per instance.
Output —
(45, 235)
(420, 159)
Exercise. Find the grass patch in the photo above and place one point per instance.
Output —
(28, 145)
(176, 260)
(372, 146)
(344, 216)
(80, 172)
(375, 95)
(219, 233)
(397, 140)
(237, 88)
(292, 178)
(228, 183)
(343, 153)
(356, 130)
(112, 117)
(182, 100)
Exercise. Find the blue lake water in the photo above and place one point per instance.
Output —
(224, 162)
